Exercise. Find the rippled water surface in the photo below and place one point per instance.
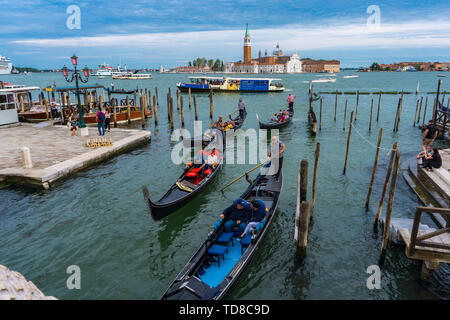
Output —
(97, 219)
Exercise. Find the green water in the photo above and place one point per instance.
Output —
(97, 219)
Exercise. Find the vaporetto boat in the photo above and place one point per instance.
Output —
(228, 84)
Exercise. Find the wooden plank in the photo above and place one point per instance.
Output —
(444, 254)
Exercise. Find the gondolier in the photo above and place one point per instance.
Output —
(241, 108)
(290, 99)
(276, 151)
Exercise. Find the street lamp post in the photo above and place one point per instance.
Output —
(77, 76)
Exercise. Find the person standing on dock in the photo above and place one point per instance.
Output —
(430, 134)
(290, 99)
(107, 120)
(100, 122)
(241, 108)
(112, 86)
(276, 151)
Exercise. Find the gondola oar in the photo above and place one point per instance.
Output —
(242, 175)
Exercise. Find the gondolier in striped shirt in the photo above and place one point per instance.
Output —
(241, 108)
(290, 99)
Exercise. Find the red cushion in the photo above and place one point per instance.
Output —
(208, 171)
(191, 174)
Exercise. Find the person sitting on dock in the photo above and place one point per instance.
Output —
(423, 154)
(73, 126)
(257, 214)
(433, 161)
(237, 214)
(290, 99)
(430, 134)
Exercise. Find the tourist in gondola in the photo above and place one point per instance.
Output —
(290, 99)
(241, 108)
(238, 215)
(213, 159)
(274, 146)
(257, 214)
(217, 124)
(200, 162)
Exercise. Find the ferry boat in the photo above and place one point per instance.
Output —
(350, 77)
(132, 76)
(228, 84)
(5, 65)
(105, 70)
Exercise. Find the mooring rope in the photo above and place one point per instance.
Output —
(389, 150)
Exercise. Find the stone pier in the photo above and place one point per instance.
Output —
(55, 154)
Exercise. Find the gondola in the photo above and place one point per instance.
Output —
(312, 121)
(210, 277)
(209, 137)
(187, 186)
(271, 124)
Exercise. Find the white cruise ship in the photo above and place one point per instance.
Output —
(5, 65)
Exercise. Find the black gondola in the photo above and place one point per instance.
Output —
(181, 192)
(271, 124)
(203, 277)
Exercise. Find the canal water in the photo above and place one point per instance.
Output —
(97, 219)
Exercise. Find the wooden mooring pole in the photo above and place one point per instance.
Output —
(387, 222)
(374, 170)
(420, 109)
(386, 181)
(182, 111)
(379, 104)
(195, 108)
(189, 93)
(303, 179)
(371, 110)
(316, 165)
(335, 105)
(178, 99)
(211, 104)
(348, 143)
(415, 114)
(424, 112)
(357, 103)
(345, 114)
(157, 99)
(155, 110)
(320, 115)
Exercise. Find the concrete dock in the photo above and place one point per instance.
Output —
(55, 153)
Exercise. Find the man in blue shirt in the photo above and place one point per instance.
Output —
(257, 215)
(238, 215)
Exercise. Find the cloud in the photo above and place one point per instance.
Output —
(291, 38)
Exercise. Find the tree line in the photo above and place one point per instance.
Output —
(216, 65)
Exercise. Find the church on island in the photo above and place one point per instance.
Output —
(276, 63)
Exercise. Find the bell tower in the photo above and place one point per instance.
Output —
(247, 47)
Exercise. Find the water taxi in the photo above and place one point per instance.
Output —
(325, 80)
(228, 84)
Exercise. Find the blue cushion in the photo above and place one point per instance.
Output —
(217, 250)
(245, 241)
(225, 237)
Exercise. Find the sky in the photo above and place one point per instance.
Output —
(147, 34)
